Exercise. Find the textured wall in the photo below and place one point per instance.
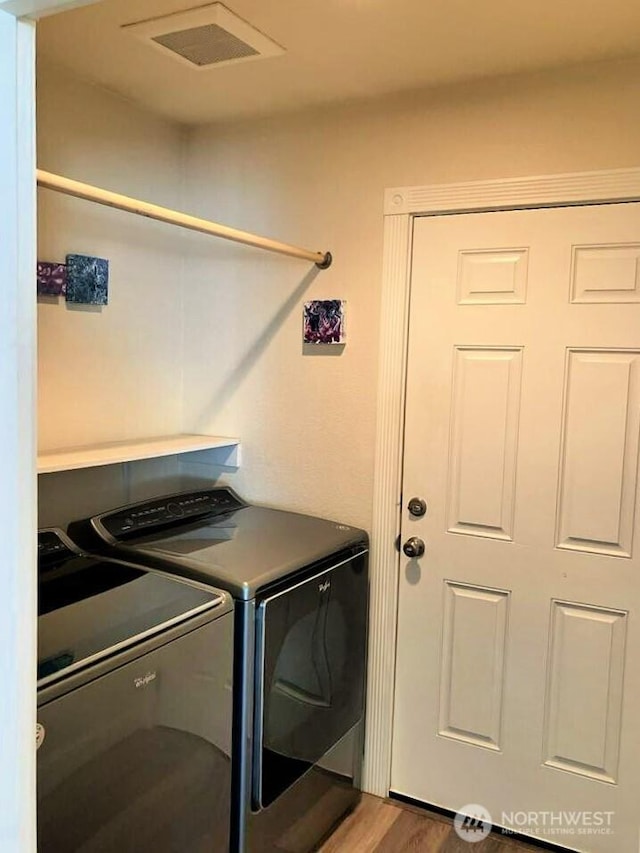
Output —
(317, 178)
(222, 351)
(112, 373)
(115, 372)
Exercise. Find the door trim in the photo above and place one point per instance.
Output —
(401, 206)
(18, 574)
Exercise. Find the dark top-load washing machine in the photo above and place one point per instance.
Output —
(300, 586)
(134, 707)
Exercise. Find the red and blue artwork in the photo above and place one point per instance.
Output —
(324, 321)
(52, 279)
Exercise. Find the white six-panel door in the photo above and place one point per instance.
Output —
(518, 663)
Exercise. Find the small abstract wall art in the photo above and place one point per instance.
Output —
(87, 280)
(52, 279)
(324, 321)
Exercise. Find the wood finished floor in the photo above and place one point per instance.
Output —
(381, 826)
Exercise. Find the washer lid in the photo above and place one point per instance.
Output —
(214, 537)
(89, 608)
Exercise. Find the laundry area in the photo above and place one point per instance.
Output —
(322, 426)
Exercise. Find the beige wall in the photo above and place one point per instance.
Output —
(114, 372)
(229, 358)
(308, 421)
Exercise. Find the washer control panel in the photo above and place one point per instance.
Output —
(160, 512)
(52, 548)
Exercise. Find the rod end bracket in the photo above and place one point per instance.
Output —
(326, 262)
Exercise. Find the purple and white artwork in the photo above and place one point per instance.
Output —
(52, 279)
(324, 321)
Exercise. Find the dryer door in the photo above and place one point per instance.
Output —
(311, 663)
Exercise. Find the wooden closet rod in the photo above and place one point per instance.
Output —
(164, 214)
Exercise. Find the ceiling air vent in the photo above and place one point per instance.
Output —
(206, 37)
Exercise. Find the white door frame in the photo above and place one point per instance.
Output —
(17, 437)
(18, 483)
(402, 205)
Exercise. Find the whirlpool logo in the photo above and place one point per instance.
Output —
(145, 680)
(324, 587)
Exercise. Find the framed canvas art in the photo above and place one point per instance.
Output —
(324, 321)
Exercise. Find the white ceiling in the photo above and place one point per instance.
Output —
(337, 50)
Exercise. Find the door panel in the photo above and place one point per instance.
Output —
(596, 636)
(484, 426)
(518, 683)
(600, 446)
(473, 658)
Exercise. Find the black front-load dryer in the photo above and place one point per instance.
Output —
(300, 586)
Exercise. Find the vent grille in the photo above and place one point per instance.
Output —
(206, 45)
(205, 37)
